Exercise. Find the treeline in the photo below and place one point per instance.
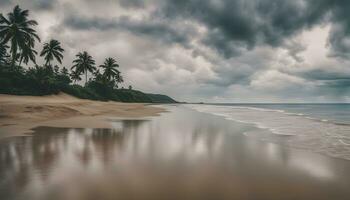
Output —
(17, 46)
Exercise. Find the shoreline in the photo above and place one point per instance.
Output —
(20, 114)
(202, 154)
(295, 131)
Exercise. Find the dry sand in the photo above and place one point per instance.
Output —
(19, 114)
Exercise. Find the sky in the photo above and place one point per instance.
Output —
(240, 51)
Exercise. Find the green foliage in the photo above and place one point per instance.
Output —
(126, 95)
(75, 76)
(160, 98)
(110, 68)
(28, 53)
(34, 81)
(82, 92)
(111, 73)
(103, 89)
(84, 63)
(12, 80)
(41, 80)
(129, 95)
(3, 53)
(17, 30)
(52, 50)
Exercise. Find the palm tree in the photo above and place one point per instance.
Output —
(110, 69)
(84, 64)
(28, 53)
(17, 29)
(75, 76)
(52, 50)
(64, 71)
(119, 79)
(3, 53)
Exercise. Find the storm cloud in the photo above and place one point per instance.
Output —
(152, 28)
(211, 50)
(234, 26)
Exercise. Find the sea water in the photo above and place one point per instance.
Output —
(322, 128)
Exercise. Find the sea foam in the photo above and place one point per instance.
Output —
(291, 129)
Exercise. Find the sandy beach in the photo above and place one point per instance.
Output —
(19, 114)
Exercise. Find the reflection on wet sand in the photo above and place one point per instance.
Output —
(180, 155)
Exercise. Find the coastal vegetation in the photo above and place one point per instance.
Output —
(18, 38)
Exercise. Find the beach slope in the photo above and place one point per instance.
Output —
(19, 114)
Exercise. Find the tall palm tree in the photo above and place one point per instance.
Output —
(17, 30)
(52, 50)
(110, 69)
(84, 64)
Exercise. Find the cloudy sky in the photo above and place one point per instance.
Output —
(210, 50)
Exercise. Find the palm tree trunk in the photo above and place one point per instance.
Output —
(13, 59)
(85, 77)
(20, 61)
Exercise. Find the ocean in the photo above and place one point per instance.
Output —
(321, 128)
(337, 113)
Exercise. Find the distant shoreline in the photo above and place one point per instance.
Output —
(20, 114)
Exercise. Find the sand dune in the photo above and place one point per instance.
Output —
(19, 114)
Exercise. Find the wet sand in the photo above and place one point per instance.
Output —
(19, 114)
(182, 154)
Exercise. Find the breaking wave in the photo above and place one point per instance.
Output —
(291, 129)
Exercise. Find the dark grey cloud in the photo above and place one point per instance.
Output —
(328, 81)
(334, 89)
(338, 41)
(238, 24)
(340, 84)
(239, 70)
(132, 3)
(44, 4)
(340, 32)
(234, 26)
(325, 75)
(32, 5)
(154, 28)
(5, 2)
